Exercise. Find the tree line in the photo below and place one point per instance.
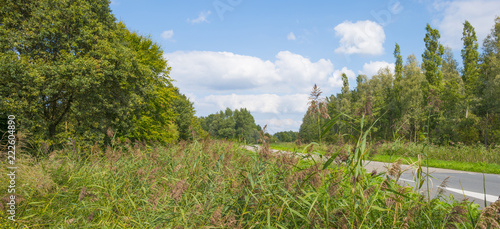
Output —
(232, 125)
(433, 101)
(70, 70)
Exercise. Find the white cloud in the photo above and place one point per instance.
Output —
(299, 70)
(261, 103)
(167, 34)
(275, 125)
(372, 68)
(291, 36)
(220, 70)
(270, 89)
(336, 79)
(202, 17)
(215, 71)
(362, 37)
(280, 123)
(480, 13)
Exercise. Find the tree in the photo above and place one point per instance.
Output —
(488, 108)
(398, 69)
(287, 136)
(432, 58)
(412, 99)
(398, 77)
(70, 50)
(228, 124)
(70, 62)
(245, 127)
(452, 96)
(156, 119)
(432, 61)
(185, 119)
(470, 57)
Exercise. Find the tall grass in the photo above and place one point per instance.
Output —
(217, 184)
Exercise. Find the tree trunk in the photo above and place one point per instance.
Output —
(52, 130)
(486, 138)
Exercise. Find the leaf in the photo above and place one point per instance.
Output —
(379, 208)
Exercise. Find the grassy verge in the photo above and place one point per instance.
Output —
(465, 158)
(216, 184)
(479, 167)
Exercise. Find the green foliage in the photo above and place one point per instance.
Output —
(187, 123)
(228, 124)
(70, 70)
(470, 57)
(432, 58)
(287, 136)
(433, 101)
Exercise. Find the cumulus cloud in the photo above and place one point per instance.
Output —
(372, 68)
(167, 34)
(262, 103)
(215, 71)
(295, 68)
(361, 37)
(480, 13)
(271, 89)
(202, 17)
(221, 70)
(336, 79)
(291, 36)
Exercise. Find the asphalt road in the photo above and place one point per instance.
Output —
(460, 184)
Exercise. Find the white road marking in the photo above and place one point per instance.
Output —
(406, 180)
(489, 198)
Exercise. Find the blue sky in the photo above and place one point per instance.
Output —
(267, 55)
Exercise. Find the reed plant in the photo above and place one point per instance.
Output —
(217, 184)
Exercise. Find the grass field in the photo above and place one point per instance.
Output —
(216, 184)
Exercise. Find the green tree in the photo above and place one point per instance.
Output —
(69, 50)
(70, 62)
(470, 59)
(384, 109)
(398, 69)
(452, 97)
(245, 127)
(432, 59)
(156, 119)
(398, 77)
(432, 62)
(187, 123)
(412, 100)
(488, 108)
(228, 124)
(287, 136)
